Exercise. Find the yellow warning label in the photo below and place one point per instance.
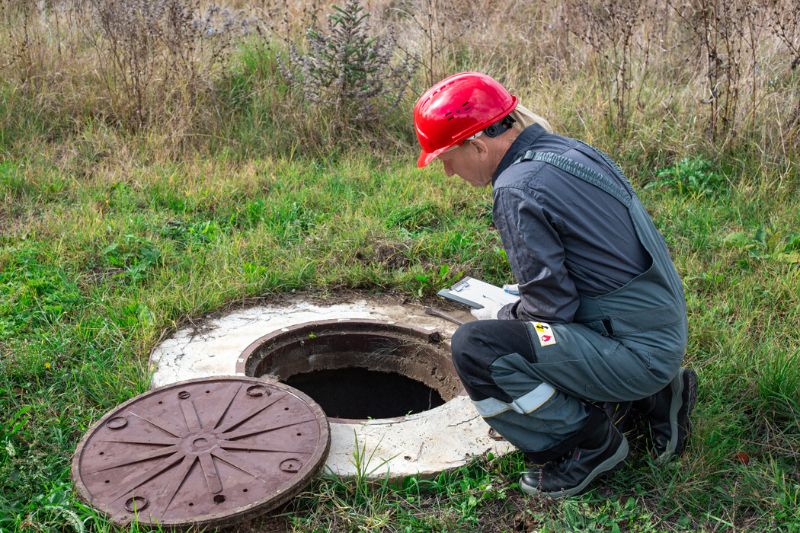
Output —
(545, 333)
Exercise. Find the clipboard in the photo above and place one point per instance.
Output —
(477, 294)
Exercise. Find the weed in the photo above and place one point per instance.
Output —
(691, 176)
(135, 255)
(611, 515)
(766, 243)
(10, 427)
(190, 233)
(431, 281)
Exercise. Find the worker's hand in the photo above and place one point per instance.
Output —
(487, 312)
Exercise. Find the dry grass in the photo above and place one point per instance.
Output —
(723, 75)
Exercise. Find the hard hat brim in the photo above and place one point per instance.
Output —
(425, 158)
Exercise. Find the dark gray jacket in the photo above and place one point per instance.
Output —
(563, 237)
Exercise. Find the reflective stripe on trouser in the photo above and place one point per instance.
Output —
(535, 395)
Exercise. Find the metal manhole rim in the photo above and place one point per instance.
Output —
(432, 337)
(250, 510)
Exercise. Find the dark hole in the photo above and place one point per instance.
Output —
(360, 393)
(219, 498)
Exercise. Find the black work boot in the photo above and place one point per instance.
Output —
(668, 411)
(600, 448)
(621, 414)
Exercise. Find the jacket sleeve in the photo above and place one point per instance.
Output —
(536, 254)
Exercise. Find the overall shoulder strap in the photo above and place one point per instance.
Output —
(580, 171)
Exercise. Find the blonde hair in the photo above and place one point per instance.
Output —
(524, 117)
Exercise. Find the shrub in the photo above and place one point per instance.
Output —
(157, 57)
(348, 74)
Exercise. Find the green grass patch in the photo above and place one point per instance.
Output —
(94, 270)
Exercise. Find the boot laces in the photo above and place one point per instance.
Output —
(564, 462)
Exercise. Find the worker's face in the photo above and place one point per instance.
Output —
(469, 161)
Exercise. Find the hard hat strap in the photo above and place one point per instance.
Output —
(499, 127)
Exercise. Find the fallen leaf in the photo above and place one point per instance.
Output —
(743, 458)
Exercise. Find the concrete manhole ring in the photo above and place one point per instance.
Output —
(298, 338)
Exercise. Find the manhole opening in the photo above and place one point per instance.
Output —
(358, 369)
(361, 393)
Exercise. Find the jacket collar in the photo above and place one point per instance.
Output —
(522, 143)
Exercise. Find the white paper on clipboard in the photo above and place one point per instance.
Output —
(477, 294)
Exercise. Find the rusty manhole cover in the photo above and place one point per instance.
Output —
(201, 452)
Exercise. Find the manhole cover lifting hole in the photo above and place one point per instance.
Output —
(381, 369)
(201, 452)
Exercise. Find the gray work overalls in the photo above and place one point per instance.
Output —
(622, 346)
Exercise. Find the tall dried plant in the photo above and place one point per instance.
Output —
(288, 19)
(610, 28)
(440, 25)
(23, 54)
(734, 64)
(158, 57)
(784, 24)
(723, 31)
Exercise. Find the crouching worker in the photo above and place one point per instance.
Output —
(601, 317)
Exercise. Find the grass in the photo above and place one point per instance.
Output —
(110, 239)
(95, 269)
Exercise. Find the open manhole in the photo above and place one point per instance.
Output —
(358, 369)
(300, 341)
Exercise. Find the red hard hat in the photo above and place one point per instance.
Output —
(456, 108)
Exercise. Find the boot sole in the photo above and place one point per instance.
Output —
(676, 444)
(605, 467)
